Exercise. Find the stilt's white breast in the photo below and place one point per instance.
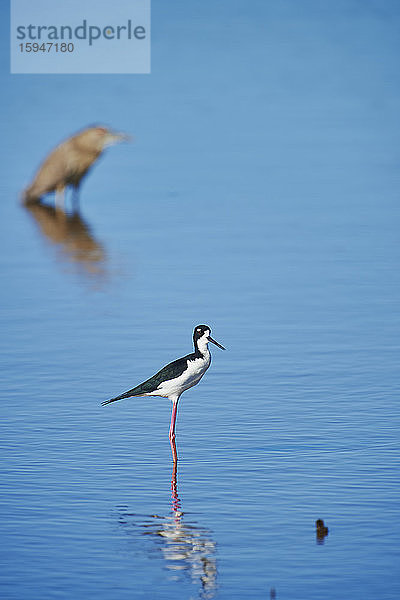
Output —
(190, 377)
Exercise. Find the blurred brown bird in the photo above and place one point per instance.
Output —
(69, 162)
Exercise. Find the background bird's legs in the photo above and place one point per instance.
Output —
(75, 198)
(60, 198)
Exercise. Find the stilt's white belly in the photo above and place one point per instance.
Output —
(189, 378)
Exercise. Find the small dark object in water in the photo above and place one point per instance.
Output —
(322, 531)
(272, 594)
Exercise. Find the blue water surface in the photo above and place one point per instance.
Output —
(260, 196)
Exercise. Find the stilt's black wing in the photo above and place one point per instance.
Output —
(170, 371)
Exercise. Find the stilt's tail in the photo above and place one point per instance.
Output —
(109, 401)
(128, 394)
(142, 389)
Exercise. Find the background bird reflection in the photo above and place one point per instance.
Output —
(188, 549)
(72, 237)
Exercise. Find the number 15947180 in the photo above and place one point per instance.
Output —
(46, 47)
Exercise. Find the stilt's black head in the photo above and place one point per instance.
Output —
(203, 332)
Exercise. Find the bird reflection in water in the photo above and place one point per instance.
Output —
(71, 235)
(188, 550)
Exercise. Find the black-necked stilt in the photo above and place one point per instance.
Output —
(176, 377)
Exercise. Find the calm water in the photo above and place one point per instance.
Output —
(260, 196)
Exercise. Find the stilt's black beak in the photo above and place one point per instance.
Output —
(216, 343)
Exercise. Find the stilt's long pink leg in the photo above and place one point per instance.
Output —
(172, 431)
(173, 449)
(173, 419)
